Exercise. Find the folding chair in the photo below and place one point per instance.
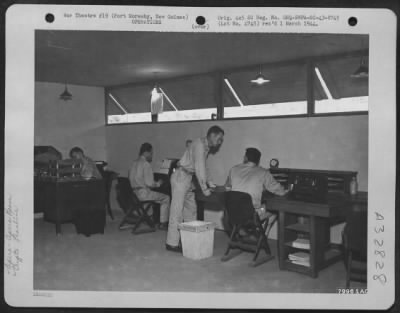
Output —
(354, 237)
(136, 211)
(243, 216)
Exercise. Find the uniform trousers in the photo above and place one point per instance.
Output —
(164, 200)
(183, 205)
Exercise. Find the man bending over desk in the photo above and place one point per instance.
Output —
(141, 177)
(249, 177)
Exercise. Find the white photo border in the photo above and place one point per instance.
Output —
(21, 23)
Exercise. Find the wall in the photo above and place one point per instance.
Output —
(335, 143)
(77, 122)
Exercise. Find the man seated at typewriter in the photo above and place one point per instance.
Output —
(253, 179)
(89, 169)
(141, 177)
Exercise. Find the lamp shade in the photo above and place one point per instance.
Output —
(260, 79)
(66, 95)
(361, 72)
(157, 101)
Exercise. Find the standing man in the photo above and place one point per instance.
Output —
(188, 143)
(142, 181)
(193, 162)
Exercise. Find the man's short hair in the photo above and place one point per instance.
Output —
(215, 130)
(253, 155)
(75, 150)
(146, 147)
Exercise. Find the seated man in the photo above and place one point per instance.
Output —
(188, 143)
(249, 177)
(142, 181)
(89, 168)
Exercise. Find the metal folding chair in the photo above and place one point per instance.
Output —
(355, 245)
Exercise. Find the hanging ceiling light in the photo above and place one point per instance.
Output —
(362, 71)
(66, 95)
(157, 101)
(260, 79)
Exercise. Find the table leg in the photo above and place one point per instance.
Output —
(227, 226)
(281, 240)
(200, 210)
(58, 228)
(313, 247)
(108, 190)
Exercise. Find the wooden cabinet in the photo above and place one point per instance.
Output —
(337, 181)
(295, 235)
(311, 221)
(62, 198)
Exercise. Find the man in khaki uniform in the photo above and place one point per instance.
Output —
(253, 179)
(141, 177)
(193, 162)
(89, 169)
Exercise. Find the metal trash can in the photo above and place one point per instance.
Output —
(197, 239)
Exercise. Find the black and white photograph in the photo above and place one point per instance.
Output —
(110, 138)
(201, 162)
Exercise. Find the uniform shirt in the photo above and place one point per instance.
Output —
(194, 160)
(253, 179)
(89, 168)
(141, 174)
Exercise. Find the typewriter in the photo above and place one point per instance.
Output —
(308, 187)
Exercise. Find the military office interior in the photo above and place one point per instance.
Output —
(299, 98)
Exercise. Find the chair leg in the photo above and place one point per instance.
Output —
(266, 246)
(261, 243)
(144, 218)
(348, 269)
(258, 248)
(265, 232)
(147, 217)
(227, 256)
(124, 220)
(269, 225)
(137, 231)
(229, 243)
(108, 189)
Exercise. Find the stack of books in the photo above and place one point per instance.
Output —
(301, 243)
(300, 258)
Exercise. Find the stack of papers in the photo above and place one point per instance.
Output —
(302, 243)
(301, 258)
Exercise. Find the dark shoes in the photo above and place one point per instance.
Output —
(173, 248)
(163, 226)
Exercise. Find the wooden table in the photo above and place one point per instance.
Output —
(63, 197)
(312, 220)
(217, 199)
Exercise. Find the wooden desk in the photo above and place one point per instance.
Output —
(217, 199)
(63, 197)
(319, 217)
